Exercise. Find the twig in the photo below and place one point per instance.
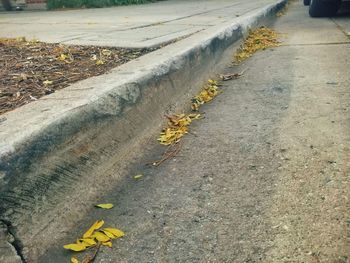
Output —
(90, 258)
(169, 153)
(226, 77)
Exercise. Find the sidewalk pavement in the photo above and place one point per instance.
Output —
(126, 26)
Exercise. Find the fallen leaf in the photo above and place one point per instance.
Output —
(106, 52)
(47, 82)
(114, 231)
(138, 176)
(226, 77)
(99, 62)
(177, 128)
(75, 247)
(62, 57)
(101, 237)
(258, 39)
(206, 95)
(110, 235)
(87, 241)
(74, 260)
(105, 206)
(98, 224)
(108, 244)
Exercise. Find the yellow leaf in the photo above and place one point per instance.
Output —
(87, 241)
(108, 244)
(75, 247)
(101, 237)
(99, 62)
(259, 39)
(213, 82)
(94, 227)
(138, 176)
(195, 116)
(116, 232)
(106, 52)
(105, 206)
(110, 235)
(74, 260)
(62, 57)
(47, 82)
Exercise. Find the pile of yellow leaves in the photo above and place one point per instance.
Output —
(206, 95)
(178, 125)
(95, 236)
(177, 128)
(258, 39)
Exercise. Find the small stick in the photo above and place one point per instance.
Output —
(168, 154)
(90, 258)
(232, 75)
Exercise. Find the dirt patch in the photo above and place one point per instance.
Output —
(32, 69)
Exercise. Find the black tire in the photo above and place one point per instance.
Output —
(7, 5)
(306, 2)
(319, 8)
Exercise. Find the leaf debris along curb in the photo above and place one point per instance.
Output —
(177, 127)
(178, 124)
(258, 39)
(94, 237)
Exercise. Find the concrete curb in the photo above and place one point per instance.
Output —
(71, 142)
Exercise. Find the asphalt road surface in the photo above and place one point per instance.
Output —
(264, 177)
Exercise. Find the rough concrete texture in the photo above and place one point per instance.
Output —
(8, 253)
(127, 26)
(264, 177)
(66, 146)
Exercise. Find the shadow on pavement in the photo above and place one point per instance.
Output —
(344, 9)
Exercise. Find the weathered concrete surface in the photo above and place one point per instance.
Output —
(8, 253)
(264, 177)
(126, 26)
(65, 148)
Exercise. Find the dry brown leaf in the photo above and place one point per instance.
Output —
(225, 77)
